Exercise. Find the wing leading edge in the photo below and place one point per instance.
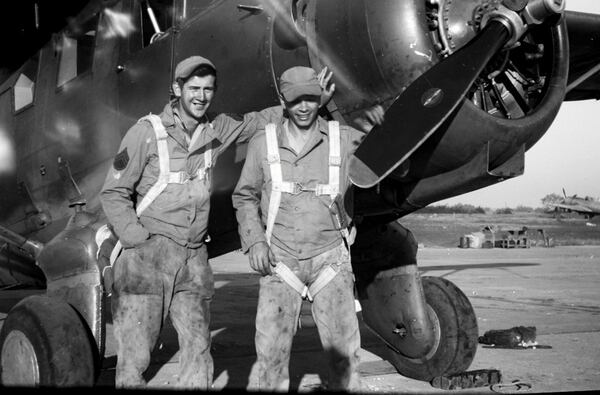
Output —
(584, 59)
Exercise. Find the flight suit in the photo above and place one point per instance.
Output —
(163, 268)
(306, 240)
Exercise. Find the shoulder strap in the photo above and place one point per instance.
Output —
(163, 160)
(276, 177)
(163, 177)
(277, 184)
(203, 172)
(335, 161)
(273, 154)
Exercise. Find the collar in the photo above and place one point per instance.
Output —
(179, 121)
(175, 128)
(314, 140)
(167, 116)
(172, 126)
(203, 136)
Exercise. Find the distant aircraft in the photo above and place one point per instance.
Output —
(587, 206)
(63, 114)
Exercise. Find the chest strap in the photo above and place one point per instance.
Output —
(165, 175)
(278, 186)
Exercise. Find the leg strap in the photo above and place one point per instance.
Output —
(305, 291)
(287, 275)
(322, 280)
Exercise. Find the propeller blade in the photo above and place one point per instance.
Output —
(422, 107)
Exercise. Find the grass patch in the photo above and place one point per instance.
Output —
(445, 230)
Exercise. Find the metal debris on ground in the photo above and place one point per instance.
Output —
(514, 386)
(515, 337)
(470, 379)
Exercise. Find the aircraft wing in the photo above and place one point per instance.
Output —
(573, 207)
(584, 59)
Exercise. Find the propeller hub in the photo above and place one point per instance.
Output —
(454, 23)
(510, 19)
(538, 10)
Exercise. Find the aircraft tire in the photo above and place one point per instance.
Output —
(44, 342)
(456, 333)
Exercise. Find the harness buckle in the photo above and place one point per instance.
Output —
(184, 177)
(201, 174)
(179, 177)
(305, 295)
(298, 187)
(335, 161)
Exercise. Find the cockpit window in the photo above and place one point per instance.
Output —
(25, 86)
(156, 17)
(77, 51)
(152, 19)
(194, 7)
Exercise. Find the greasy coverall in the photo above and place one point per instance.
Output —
(163, 268)
(306, 239)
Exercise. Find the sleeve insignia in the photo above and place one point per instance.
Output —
(121, 160)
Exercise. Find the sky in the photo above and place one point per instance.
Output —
(567, 156)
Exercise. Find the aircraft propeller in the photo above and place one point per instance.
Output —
(433, 97)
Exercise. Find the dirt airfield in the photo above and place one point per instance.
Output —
(554, 289)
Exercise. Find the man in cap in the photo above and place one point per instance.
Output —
(156, 198)
(292, 184)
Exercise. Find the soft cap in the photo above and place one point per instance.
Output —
(299, 81)
(187, 65)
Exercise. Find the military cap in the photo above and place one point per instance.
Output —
(187, 65)
(299, 81)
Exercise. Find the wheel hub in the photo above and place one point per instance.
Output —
(437, 330)
(19, 362)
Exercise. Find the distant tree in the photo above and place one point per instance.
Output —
(523, 209)
(458, 208)
(551, 198)
(505, 210)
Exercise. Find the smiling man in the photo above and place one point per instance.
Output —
(157, 198)
(294, 226)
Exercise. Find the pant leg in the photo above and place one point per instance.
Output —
(190, 314)
(334, 313)
(276, 324)
(137, 308)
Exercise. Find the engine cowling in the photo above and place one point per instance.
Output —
(376, 49)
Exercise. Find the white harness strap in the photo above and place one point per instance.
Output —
(165, 175)
(203, 172)
(305, 291)
(278, 186)
(287, 275)
(321, 281)
(335, 161)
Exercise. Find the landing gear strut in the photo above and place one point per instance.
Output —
(428, 323)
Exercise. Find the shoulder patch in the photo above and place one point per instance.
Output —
(121, 160)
